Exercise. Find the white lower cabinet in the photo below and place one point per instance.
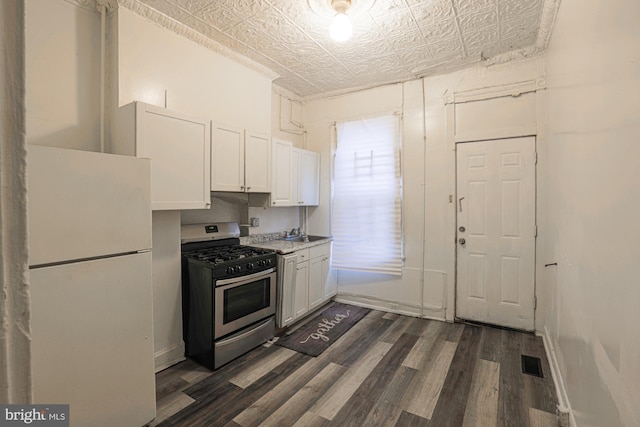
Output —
(318, 274)
(286, 281)
(303, 283)
(301, 290)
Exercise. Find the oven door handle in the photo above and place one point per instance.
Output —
(243, 279)
(243, 335)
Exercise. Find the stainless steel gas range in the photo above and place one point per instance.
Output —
(228, 293)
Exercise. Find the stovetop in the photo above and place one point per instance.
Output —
(217, 247)
(232, 261)
(225, 254)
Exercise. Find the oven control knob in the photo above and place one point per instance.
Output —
(251, 266)
(238, 268)
(230, 270)
(262, 263)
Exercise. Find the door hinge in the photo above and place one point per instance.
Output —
(535, 158)
(535, 231)
(535, 302)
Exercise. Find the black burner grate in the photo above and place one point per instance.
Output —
(218, 255)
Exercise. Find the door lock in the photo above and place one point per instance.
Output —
(462, 241)
(462, 229)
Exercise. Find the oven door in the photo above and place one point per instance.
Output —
(242, 301)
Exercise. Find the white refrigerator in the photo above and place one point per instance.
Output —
(91, 292)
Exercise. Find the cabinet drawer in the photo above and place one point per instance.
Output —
(320, 250)
(303, 255)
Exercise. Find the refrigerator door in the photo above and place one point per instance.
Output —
(92, 343)
(84, 204)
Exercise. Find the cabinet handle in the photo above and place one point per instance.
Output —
(248, 188)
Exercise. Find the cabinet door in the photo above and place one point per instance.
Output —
(257, 168)
(286, 289)
(227, 158)
(281, 181)
(330, 284)
(178, 146)
(296, 156)
(301, 292)
(316, 284)
(309, 187)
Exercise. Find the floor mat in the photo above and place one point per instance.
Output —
(323, 330)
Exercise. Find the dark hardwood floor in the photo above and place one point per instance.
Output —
(387, 370)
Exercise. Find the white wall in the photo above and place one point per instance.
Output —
(298, 139)
(591, 309)
(197, 81)
(152, 60)
(389, 292)
(63, 75)
(152, 63)
(167, 296)
(429, 180)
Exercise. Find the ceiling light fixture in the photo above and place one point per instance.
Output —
(341, 28)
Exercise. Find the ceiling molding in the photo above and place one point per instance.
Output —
(89, 5)
(341, 92)
(547, 19)
(279, 90)
(181, 29)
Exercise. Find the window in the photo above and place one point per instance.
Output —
(367, 196)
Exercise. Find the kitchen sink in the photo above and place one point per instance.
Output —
(302, 238)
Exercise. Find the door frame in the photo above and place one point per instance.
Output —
(535, 127)
(535, 217)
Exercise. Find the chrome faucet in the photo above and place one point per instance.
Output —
(294, 232)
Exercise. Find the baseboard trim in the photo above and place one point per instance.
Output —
(435, 313)
(168, 357)
(565, 414)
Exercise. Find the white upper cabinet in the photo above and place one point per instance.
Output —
(227, 158)
(240, 160)
(281, 182)
(309, 178)
(305, 177)
(296, 176)
(257, 166)
(178, 146)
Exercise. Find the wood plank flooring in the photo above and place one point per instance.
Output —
(387, 370)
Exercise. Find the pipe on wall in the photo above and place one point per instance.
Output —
(103, 7)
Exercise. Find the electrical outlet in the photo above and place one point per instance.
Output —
(255, 222)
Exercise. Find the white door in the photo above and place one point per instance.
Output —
(496, 232)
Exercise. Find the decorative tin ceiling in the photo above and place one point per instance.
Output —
(393, 40)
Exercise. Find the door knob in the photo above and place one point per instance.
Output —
(462, 229)
(462, 241)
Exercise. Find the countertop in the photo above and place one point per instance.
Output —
(269, 241)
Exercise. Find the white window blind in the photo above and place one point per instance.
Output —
(367, 196)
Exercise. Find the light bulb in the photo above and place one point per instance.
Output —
(341, 28)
